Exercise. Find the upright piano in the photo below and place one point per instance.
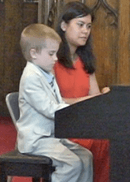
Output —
(102, 117)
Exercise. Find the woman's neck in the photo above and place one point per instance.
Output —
(72, 49)
(74, 57)
(73, 53)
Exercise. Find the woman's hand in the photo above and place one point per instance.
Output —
(105, 90)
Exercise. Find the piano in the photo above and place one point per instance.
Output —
(102, 117)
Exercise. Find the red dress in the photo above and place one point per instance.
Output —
(74, 83)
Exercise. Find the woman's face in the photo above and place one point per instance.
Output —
(77, 31)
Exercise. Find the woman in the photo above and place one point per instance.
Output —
(75, 73)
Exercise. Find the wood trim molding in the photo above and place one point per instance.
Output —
(123, 70)
(30, 1)
(53, 8)
(48, 10)
(110, 10)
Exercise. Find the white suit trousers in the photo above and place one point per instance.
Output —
(73, 162)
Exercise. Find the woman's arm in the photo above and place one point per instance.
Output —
(94, 91)
(94, 88)
(75, 100)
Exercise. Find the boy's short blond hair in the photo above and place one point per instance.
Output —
(35, 36)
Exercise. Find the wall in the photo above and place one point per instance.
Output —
(110, 39)
(14, 16)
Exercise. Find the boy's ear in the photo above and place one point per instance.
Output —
(33, 53)
(63, 26)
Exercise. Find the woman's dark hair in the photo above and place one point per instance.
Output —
(70, 11)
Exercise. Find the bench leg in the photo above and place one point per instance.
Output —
(3, 177)
(35, 179)
(48, 179)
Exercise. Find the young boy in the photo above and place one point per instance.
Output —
(39, 98)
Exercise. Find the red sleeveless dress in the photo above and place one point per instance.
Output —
(74, 83)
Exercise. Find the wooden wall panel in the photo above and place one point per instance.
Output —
(105, 34)
(13, 26)
(123, 73)
(2, 17)
(111, 41)
(15, 15)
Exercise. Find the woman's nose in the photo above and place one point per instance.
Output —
(85, 29)
(55, 58)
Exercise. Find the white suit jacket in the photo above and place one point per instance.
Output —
(37, 103)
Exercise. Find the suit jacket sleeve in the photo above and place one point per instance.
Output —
(38, 94)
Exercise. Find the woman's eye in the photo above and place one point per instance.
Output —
(90, 26)
(51, 54)
(80, 24)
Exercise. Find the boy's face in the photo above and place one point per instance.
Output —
(48, 55)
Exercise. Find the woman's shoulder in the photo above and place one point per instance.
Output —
(59, 66)
(78, 64)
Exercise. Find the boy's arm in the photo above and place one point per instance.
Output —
(39, 97)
